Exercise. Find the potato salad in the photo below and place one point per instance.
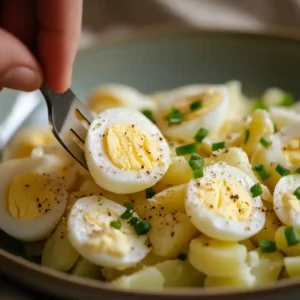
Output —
(198, 186)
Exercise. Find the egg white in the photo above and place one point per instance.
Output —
(285, 213)
(185, 131)
(216, 226)
(41, 227)
(79, 232)
(104, 172)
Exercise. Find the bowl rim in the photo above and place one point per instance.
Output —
(34, 270)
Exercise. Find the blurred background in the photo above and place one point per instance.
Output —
(115, 17)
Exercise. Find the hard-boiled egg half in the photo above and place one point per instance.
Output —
(284, 147)
(33, 197)
(99, 233)
(221, 205)
(125, 151)
(117, 95)
(287, 200)
(194, 107)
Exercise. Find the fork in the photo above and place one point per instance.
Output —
(69, 120)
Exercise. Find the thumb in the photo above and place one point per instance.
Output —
(18, 68)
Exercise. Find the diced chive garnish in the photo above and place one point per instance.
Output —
(196, 161)
(175, 116)
(181, 256)
(150, 193)
(256, 190)
(142, 227)
(287, 100)
(297, 170)
(127, 214)
(291, 236)
(267, 246)
(266, 142)
(148, 113)
(259, 104)
(282, 170)
(128, 205)
(247, 135)
(297, 192)
(275, 128)
(217, 146)
(195, 105)
(198, 173)
(133, 221)
(201, 134)
(262, 171)
(186, 149)
(116, 224)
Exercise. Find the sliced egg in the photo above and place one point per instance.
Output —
(221, 205)
(210, 114)
(33, 198)
(286, 204)
(285, 147)
(282, 116)
(125, 152)
(92, 235)
(117, 95)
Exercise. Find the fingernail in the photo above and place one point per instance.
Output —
(21, 78)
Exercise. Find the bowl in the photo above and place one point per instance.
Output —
(151, 61)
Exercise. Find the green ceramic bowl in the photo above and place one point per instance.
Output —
(163, 60)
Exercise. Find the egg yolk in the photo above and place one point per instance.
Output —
(99, 102)
(30, 196)
(209, 99)
(291, 201)
(291, 151)
(128, 148)
(227, 199)
(103, 238)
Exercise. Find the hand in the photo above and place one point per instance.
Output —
(38, 42)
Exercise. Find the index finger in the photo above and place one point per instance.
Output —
(59, 33)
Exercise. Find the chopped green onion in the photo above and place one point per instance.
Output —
(198, 173)
(275, 128)
(201, 134)
(127, 214)
(186, 149)
(175, 116)
(150, 193)
(116, 224)
(196, 161)
(262, 171)
(297, 192)
(133, 221)
(259, 104)
(297, 171)
(142, 227)
(266, 142)
(256, 190)
(247, 135)
(128, 205)
(181, 256)
(267, 246)
(195, 105)
(291, 236)
(282, 170)
(148, 113)
(217, 146)
(287, 100)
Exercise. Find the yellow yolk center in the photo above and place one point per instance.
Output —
(128, 148)
(291, 202)
(291, 151)
(226, 199)
(103, 237)
(209, 101)
(30, 196)
(98, 102)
